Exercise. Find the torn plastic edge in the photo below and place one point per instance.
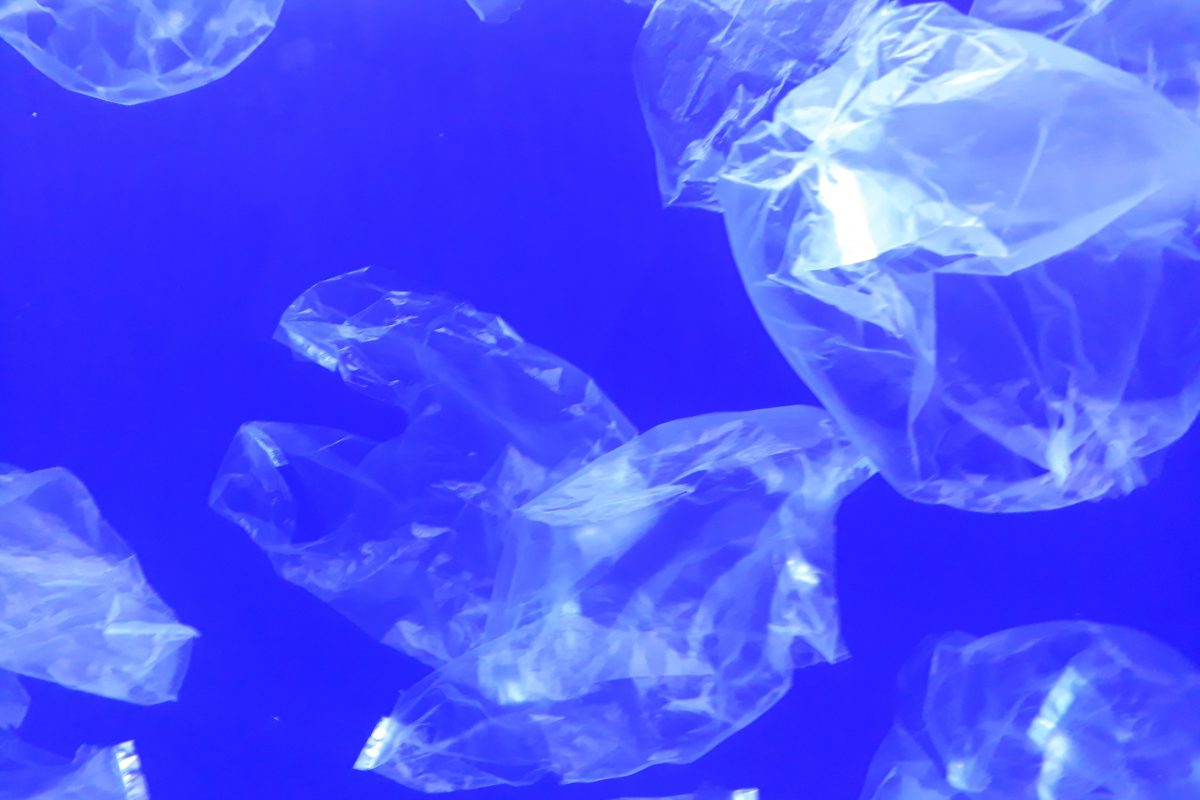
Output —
(379, 743)
(128, 766)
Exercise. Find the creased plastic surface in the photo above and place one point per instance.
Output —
(648, 607)
(402, 536)
(708, 70)
(977, 247)
(75, 608)
(110, 773)
(132, 51)
(1060, 711)
(1157, 40)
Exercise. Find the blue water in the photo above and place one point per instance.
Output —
(148, 252)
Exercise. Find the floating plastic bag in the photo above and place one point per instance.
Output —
(1157, 40)
(132, 51)
(75, 608)
(648, 607)
(708, 70)
(977, 247)
(1047, 712)
(402, 536)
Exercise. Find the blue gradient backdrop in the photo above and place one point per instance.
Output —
(146, 253)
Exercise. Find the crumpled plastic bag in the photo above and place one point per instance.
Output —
(1046, 712)
(708, 70)
(978, 248)
(648, 607)
(1157, 40)
(133, 51)
(401, 536)
(75, 607)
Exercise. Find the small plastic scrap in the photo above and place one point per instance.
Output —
(708, 70)
(1157, 40)
(110, 773)
(133, 51)
(998, 323)
(707, 793)
(1047, 712)
(647, 607)
(14, 701)
(495, 10)
(402, 536)
(75, 608)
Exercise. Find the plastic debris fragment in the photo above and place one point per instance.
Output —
(76, 608)
(133, 51)
(648, 607)
(1047, 712)
(110, 773)
(708, 70)
(1157, 40)
(707, 793)
(495, 10)
(402, 536)
(14, 701)
(996, 322)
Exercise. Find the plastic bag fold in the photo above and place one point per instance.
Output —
(648, 607)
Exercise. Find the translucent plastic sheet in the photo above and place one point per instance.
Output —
(132, 51)
(110, 773)
(14, 701)
(1059, 711)
(708, 70)
(495, 10)
(648, 607)
(1157, 40)
(76, 608)
(27, 773)
(402, 536)
(977, 247)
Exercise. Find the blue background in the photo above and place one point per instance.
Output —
(147, 253)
